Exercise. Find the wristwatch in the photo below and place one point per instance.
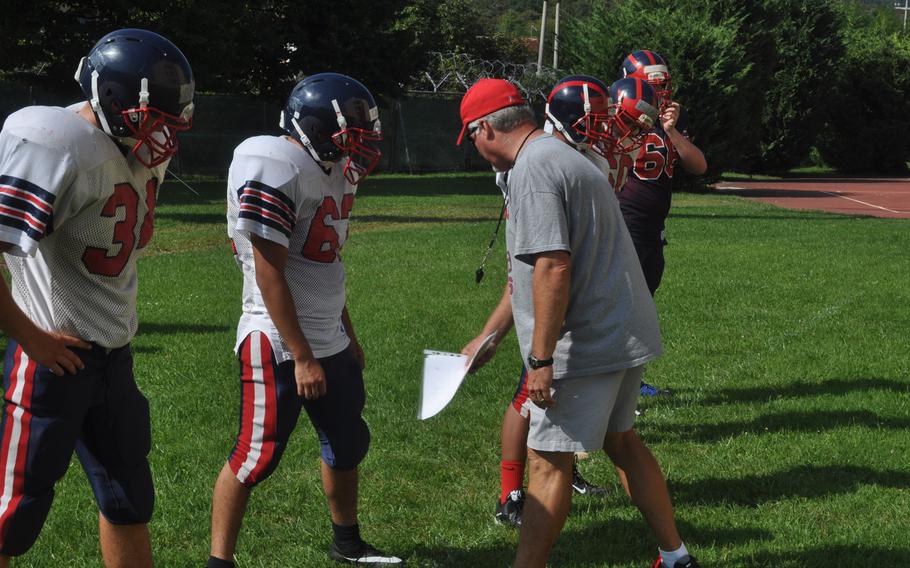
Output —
(535, 363)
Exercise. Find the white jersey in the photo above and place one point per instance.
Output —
(616, 167)
(278, 192)
(76, 211)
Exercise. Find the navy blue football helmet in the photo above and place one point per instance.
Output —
(635, 113)
(651, 67)
(334, 116)
(579, 108)
(141, 89)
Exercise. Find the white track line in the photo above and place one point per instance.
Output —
(864, 203)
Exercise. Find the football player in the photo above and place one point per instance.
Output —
(289, 201)
(647, 194)
(78, 187)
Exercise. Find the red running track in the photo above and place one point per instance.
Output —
(875, 197)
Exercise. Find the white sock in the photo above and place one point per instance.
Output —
(669, 558)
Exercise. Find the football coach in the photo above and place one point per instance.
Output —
(585, 320)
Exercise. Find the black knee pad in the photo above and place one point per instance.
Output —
(346, 449)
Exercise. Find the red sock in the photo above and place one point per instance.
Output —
(511, 477)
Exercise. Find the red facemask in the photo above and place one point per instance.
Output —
(362, 149)
(156, 132)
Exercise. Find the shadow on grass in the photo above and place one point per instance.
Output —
(825, 557)
(806, 481)
(145, 349)
(153, 328)
(811, 421)
(804, 389)
(598, 543)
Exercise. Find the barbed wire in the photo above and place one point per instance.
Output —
(454, 73)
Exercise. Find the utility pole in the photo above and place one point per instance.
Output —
(905, 8)
(556, 39)
(543, 28)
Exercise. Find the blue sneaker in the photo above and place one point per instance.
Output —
(651, 390)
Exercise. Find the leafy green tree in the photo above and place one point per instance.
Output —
(257, 48)
(867, 123)
(808, 49)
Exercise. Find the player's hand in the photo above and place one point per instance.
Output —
(539, 383)
(52, 350)
(669, 116)
(472, 347)
(310, 378)
(357, 352)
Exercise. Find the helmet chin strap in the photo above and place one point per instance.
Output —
(303, 138)
(96, 104)
(555, 123)
(342, 122)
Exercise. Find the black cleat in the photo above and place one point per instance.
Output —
(581, 486)
(363, 554)
(509, 513)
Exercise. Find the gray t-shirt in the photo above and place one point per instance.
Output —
(559, 201)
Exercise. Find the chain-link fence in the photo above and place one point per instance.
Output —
(419, 128)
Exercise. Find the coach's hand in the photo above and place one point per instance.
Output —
(310, 378)
(539, 383)
(52, 350)
(472, 347)
(669, 116)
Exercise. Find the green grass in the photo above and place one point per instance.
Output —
(785, 444)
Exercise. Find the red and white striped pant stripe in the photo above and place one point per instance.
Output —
(14, 448)
(255, 445)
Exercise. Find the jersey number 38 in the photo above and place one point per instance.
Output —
(112, 261)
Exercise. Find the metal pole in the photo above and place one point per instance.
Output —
(556, 38)
(543, 27)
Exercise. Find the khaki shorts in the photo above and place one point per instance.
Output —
(586, 409)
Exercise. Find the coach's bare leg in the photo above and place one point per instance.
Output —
(125, 546)
(228, 507)
(546, 507)
(341, 492)
(514, 435)
(645, 484)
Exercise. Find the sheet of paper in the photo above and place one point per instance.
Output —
(443, 374)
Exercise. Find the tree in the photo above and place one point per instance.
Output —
(866, 125)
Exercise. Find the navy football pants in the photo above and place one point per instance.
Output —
(270, 407)
(98, 412)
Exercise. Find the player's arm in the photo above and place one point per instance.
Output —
(355, 345)
(551, 281)
(500, 322)
(270, 259)
(48, 349)
(690, 157)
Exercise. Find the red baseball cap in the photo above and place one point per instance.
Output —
(486, 96)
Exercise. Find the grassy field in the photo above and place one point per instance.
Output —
(785, 445)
